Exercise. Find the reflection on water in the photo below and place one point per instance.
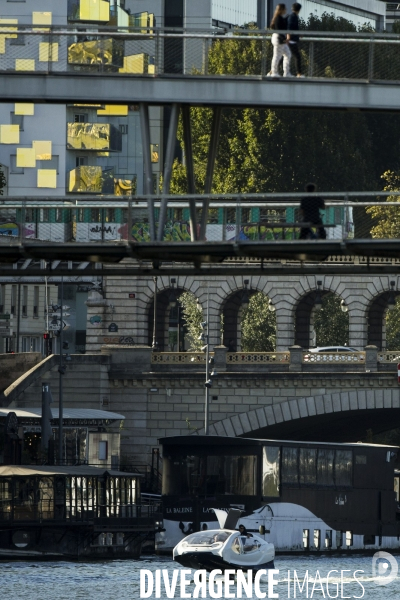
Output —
(119, 580)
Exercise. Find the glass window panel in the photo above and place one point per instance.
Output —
(48, 52)
(24, 64)
(289, 465)
(17, 120)
(13, 166)
(26, 157)
(308, 466)
(47, 178)
(231, 475)
(51, 163)
(24, 108)
(9, 134)
(325, 467)
(343, 467)
(270, 477)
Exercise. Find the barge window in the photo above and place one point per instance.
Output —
(308, 466)
(5, 499)
(361, 459)
(306, 539)
(231, 475)
(339, 539)
(343, 467)
(289, 465)
(196, 475)
(328, 538)
(325, 467)
(270, 477)
(349, 538)
(317, 539)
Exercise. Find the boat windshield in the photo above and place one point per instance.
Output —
(207, 538)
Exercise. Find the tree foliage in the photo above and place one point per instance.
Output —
(3, 181)
(331, 323)
(193, 317)
(386, 219)
(258, 325)
(393, 327)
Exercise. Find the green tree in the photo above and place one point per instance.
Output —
(393, 327)
(331, 323)
(258, 325)
(3, 181)
(193, 317)
(276, 150)
(386, 219)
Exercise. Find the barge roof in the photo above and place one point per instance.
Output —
(84, 470)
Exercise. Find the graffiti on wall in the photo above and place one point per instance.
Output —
(9, 229)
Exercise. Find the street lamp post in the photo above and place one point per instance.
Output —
(61, 371)
(205, 337)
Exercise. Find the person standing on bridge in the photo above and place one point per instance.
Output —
(280, 43)
(310, 207)
(293, 25)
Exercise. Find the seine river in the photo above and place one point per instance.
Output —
(120, 580)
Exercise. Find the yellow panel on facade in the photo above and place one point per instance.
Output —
(9, 134)
(24, 108)
(48, 52)
(26, 157)
(42, 150)
(24, 64)
(41, 18)
(9, 22)
(136, 63)
(104, 11)
(94, 10)
(114, 110)
(2, 44)
(47, 178)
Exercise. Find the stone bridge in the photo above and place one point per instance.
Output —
(275, 395)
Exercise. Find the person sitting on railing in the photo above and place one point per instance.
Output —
(280, 43)
(293, 25)
(310, 207)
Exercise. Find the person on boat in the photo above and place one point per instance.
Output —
(243, 531)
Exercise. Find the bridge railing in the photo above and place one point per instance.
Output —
(159, 52)
(80, 218)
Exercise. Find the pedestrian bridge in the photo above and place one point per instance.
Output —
(343, 70)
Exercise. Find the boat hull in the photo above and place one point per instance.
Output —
(210, 561)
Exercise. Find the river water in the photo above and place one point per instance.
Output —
(120, 580)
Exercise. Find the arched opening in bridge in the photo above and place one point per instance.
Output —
(321, 320)
(248, 322)
(384, 321)
(170, 330)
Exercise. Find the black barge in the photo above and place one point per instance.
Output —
(49, 512)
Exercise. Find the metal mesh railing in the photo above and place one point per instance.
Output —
(231, 218)
(153, 52)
